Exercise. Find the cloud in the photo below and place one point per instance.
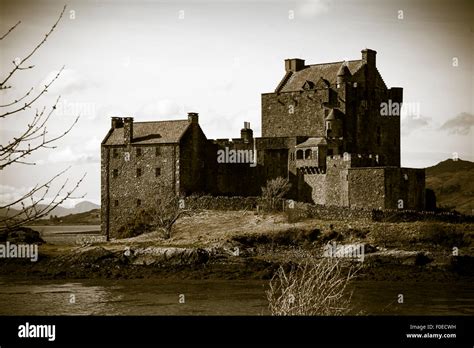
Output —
(69, 155)
(312, 8)
(461, 124)
(410, 124)
(161, 109)
(68, 82)
(9, 194)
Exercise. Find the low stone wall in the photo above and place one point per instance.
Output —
(227, 203)
(337, 213)
(390, 215)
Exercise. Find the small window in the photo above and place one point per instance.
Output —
(139, 152)
(328, 125)
(157, 151)
(139, 172)
(115, 173)
(157, 171)
(299, 154)
(307, 154)
(114, 153)
(139, 202)
(354, 85)
(116, 203)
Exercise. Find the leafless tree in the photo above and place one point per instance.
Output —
(41, 199)
(168, 208)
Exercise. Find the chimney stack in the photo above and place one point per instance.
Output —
(117, 122)
(368, 56)
(246, 134)
(294, 64)
(128, 130)
(193, 117)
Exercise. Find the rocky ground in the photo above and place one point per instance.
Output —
(244, 245)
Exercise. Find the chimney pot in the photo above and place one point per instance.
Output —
(193, 117)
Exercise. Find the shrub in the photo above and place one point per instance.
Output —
(273, 192)
(314, 287)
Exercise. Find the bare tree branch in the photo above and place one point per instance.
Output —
(22, 61)
(18, 100)
(42, 199)
(28, 104)
(10, 30)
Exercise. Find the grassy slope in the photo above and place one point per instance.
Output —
(453, 183)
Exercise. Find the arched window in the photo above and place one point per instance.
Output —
(307, 154)
(299, 154)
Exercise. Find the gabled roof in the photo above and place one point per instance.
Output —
(343, 70)
(308, 85)
(312, 142)
(155, 132)
(313, 73)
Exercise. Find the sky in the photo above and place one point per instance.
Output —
(158, 60)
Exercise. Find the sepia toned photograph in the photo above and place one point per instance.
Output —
(237, 158)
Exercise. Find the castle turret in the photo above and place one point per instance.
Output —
(334, 124)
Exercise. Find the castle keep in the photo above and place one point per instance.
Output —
(322, 128)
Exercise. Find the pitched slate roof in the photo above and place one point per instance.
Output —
(312, 142)
(155, 132)
(313, 73)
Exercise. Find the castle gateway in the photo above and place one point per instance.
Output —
(322, 128)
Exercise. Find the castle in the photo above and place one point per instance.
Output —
(322, 128)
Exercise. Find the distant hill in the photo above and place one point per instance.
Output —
(81, 207)
(91, 217)
(453, 183)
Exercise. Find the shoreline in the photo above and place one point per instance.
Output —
(96, 262)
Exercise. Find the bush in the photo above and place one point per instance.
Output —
(314, 287)
(273, 192)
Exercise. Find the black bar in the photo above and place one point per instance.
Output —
(287, 331)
